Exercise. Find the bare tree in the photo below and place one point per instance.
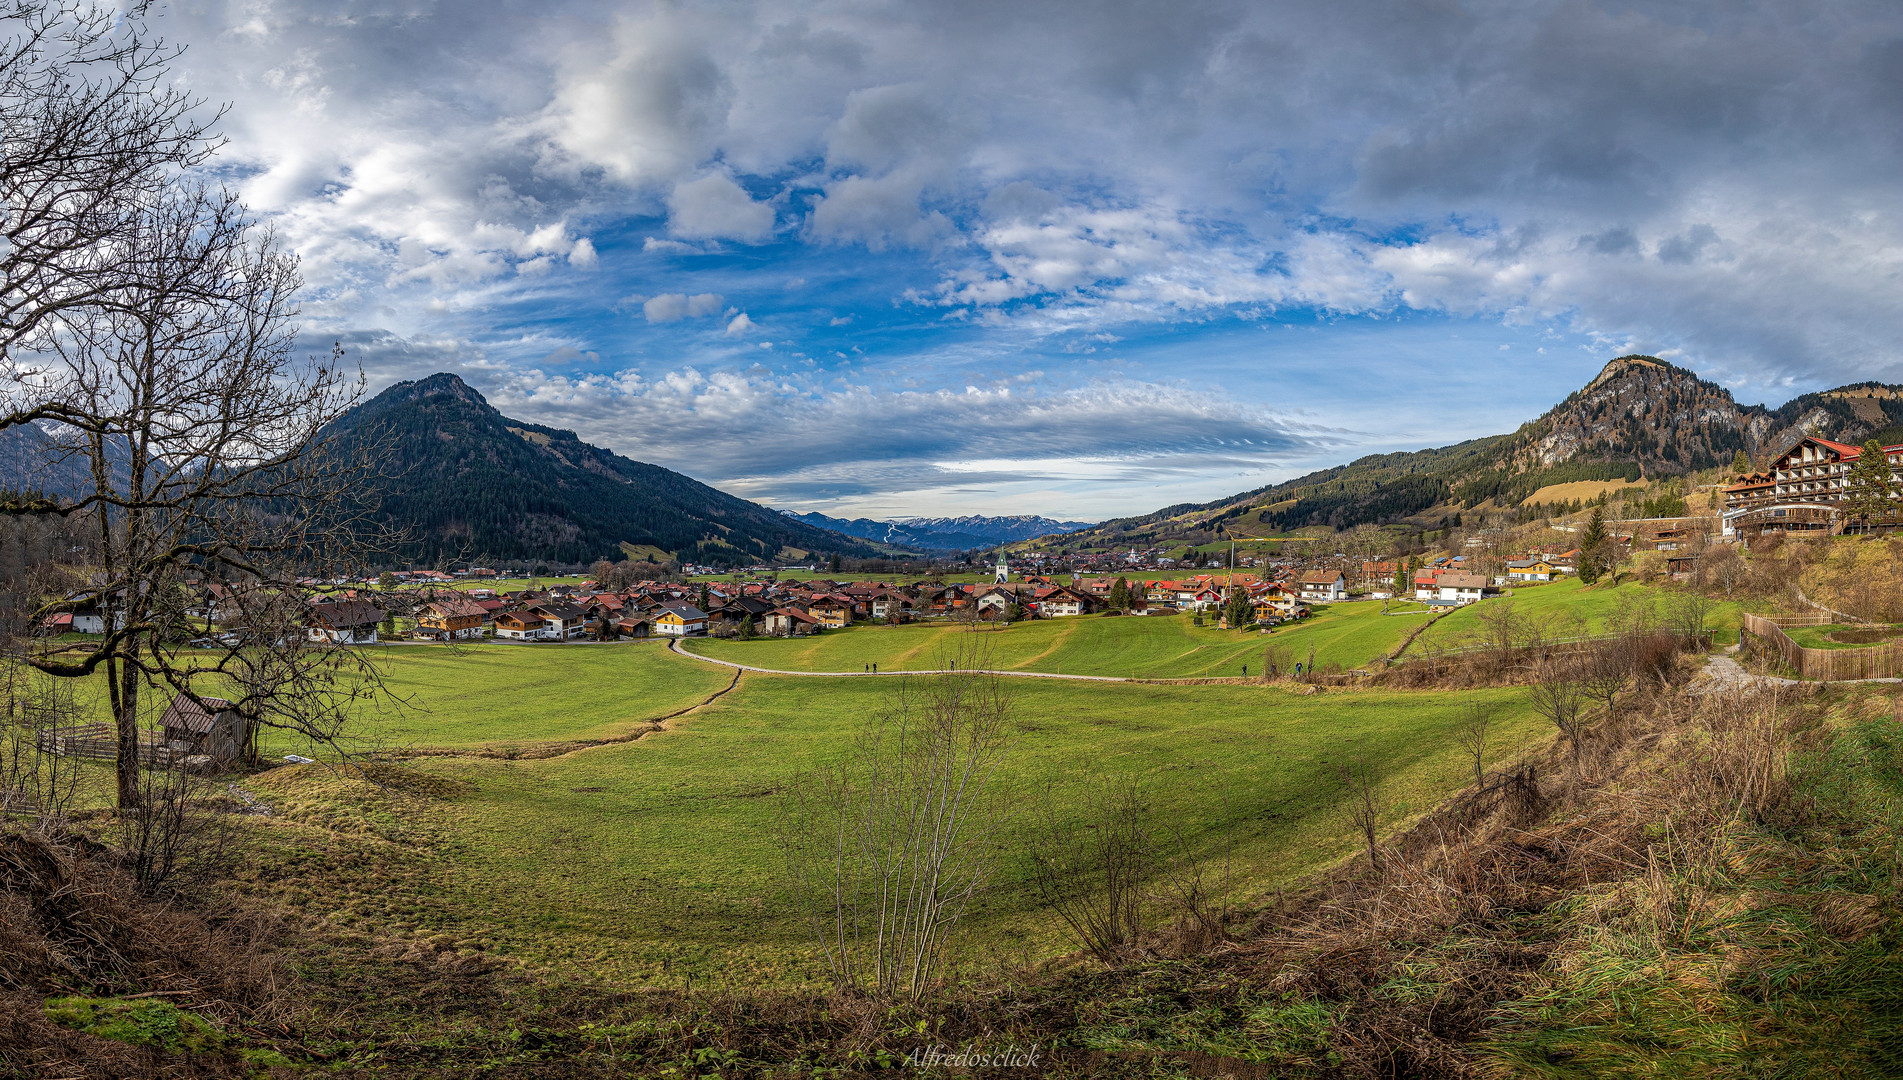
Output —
(1364, 810)
(888, 849)
(1092, 868)
(1474, 733)
(1502, 628)
(211, 451)
(1559, 696)
(1605, 671)
(91, 129)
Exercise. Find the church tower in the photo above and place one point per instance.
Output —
(1004, 569)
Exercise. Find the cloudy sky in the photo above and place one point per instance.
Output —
(1073, 259)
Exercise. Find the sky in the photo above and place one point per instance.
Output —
(1074, 259)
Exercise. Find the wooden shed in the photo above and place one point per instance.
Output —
(214, 728)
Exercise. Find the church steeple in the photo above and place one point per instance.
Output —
(1004, 570)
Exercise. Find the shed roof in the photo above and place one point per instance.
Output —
(185, 713)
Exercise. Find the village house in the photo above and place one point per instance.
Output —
(1059, 602)
(344, 622)
(1276, 603)
(1457, 588)
(633, 626)
(562, 620)
(451, 619)
(789, 621)
(1535, 569)
(680, 620)
(832, 610)
(889, 604)
(1324, 586)
(522, 626)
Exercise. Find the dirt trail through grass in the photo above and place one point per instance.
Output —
(537, 751)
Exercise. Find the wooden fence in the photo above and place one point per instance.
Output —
(101, 742)
(1764, 636)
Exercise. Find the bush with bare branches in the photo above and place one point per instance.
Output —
(888, 848)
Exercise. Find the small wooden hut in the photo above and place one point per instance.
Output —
(214, 729)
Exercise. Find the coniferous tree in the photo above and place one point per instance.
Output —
(1867, 491)
(1120, 595)
(1592, 548)
(1238, 611)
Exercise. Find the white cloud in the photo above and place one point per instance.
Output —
(715, 207)
(672, 307)
(740, 324)
(667, 307)
(734, 428)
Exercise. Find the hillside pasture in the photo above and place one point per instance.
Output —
(651, 862)
(1583, 490)
(1566, 608)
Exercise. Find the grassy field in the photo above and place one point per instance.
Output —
(495, 695)
(1817, 637)
(648, 862)
(1566, 608)
(1149, 647)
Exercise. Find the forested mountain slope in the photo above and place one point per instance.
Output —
(469, 483)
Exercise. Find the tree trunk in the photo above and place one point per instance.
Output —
(126, 718)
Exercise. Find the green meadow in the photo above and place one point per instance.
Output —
(1126, 646)
(1567, 608)
(650, 861)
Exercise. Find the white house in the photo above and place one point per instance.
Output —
(1460, 588)
(1324, 585)
(345, 622)
(680, 620)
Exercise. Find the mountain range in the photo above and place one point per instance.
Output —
(943, 533)
(468, 483)
(1641, 417)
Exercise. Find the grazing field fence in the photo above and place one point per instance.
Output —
(100, 742)
(1764, 637)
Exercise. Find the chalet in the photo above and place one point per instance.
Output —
(889, 604)
(831, 609)
(344, 622)
(1059, 602)
(788, 621)
(1324, 586)
(1274, 603)
(1535, 569)
(1457, 588)
(563, 620)
(943, 599)
(994, 600)
(1204, 598)
(633, 626)
(680, 620)
(209, 726)
(1160, 592)
(522, 626)
(451, 619)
